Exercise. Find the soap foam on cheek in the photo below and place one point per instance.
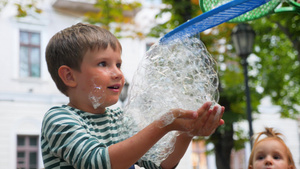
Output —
(96, 96)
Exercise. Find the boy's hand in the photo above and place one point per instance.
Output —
(202, 122)
(208, 120)
(179, 119)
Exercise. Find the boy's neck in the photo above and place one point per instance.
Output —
(99, 110)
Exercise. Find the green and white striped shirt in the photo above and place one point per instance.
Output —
(72, 138)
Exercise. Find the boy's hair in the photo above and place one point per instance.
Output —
(271, 134)
(69, 46)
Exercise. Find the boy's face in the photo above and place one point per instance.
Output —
(100, 78)
(270, 154)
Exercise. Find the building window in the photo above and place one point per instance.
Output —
(30, 54)
(27, 152)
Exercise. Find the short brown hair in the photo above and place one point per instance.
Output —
(69, 46)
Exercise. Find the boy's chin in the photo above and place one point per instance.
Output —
(112, 102)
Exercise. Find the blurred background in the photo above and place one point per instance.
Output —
(259, 88)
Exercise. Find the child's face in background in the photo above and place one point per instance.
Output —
(270, 154)
(101, 78)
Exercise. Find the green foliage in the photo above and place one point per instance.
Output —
(2, 4)
(24, 7)
(181, 10)
(278, 47)
(112, 15)
(240, 139)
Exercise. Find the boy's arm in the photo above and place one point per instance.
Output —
(181, 145)
(64, 137)
(125, 153)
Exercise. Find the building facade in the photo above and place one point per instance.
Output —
(27, 90)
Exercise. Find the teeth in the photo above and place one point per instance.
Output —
(114, 87)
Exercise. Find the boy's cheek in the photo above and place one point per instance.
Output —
(97, 96)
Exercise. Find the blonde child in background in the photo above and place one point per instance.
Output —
(270, 152)
(85, 63)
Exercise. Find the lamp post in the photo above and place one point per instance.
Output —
(124, 93)
(243, 40)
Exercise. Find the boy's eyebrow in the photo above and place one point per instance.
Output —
(106, 57)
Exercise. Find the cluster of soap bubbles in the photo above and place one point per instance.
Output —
(181, 74)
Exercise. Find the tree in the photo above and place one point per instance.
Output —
(115, 15)
(284, 92)
(181, 11)
(24, 6)
(2, 4)
(278, 47)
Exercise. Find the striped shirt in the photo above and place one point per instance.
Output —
(72, 138)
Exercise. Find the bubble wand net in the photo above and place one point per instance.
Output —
(215, 16)
(273, 6)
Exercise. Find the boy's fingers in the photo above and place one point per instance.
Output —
(203, 110)
(180, 113)
(214, 117)
(209, 119)
(218, 112)
(221, 122)
(204, 107)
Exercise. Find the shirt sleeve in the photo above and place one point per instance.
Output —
(64, 136)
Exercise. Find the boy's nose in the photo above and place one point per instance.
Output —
(116, 73)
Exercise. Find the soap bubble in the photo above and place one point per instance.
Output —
(181, 74)
(96, 96)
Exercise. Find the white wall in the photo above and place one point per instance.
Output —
(18, 118)
(24, 101)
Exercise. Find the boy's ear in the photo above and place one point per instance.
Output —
(250, 167)
(67, 76)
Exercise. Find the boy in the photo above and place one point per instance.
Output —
(85, 63)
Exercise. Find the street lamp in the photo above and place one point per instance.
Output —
(243, 39)
(124, 92)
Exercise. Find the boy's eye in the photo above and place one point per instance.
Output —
(119, 65)
(102, 64)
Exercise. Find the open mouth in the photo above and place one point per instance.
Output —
(114, 87)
